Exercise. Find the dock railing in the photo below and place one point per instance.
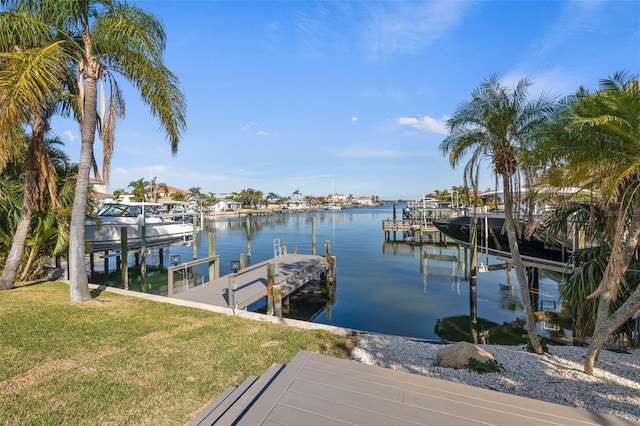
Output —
(214, 270)
(232, 287)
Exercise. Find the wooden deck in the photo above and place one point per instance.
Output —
(292, 271)
(319, 390)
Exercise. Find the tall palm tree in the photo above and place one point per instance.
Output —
(600, 149)
(106, 38)
(33, 79)
(497, 124)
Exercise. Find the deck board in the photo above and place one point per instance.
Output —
(316, 389)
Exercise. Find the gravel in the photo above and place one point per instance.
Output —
(556, 377)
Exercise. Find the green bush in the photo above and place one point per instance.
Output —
(491, 366)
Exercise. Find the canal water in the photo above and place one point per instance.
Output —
(382, 286)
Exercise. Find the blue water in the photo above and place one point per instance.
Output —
(381, 286)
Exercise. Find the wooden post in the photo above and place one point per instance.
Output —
(241, 261)
(327, 251)
(313, 235)
(248, 226)
(277, 301)
(271, 276)
(284, 248)
(211, 242)
(124, 249)
(170, 283)
(194, 239)
(534, 286)
(473, 288)
(143, 248)
(231, 295)
(334, 261)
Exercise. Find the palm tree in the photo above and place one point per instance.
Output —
(50, 224)
(117, 193)
(139, 189)
(33, 78)
(105, 37)
(600, 150)
(497, 124)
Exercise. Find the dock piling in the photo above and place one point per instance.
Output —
(271, 274)
(124, 249)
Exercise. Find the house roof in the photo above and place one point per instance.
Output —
(172, 189)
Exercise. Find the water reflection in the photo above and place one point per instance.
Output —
(385, 286)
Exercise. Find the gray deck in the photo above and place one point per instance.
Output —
(320, 390)
(292, 271)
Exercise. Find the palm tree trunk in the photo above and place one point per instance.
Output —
(33, 253)
(621, 257)
(78, 281)
(518, 266)
(8, 279)
(31, 193)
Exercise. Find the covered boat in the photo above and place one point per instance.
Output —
(492, 236)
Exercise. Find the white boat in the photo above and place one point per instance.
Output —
(105, 232)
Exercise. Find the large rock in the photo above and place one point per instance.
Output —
(458, 354)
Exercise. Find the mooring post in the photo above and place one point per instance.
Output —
(277, 301)
(313, 235)
(534, 286)
(170, 283)
(284, 248)
(473, 288)
(194, 239)
(241, 261)
(211, 242)
(143, 246)
(271, 276)
(248, 225)
(124, 250)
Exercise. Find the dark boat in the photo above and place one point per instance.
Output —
(492, 236)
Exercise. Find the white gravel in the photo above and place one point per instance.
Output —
(557, 377)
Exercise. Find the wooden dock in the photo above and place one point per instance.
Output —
(248, 285)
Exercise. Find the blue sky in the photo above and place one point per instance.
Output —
(350, 96)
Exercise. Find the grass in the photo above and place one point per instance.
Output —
(119, 360)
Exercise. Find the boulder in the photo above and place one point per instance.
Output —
(52, 274)
(458, 354)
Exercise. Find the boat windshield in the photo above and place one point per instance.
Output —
(127, 210)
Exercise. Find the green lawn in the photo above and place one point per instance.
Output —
(122, 360)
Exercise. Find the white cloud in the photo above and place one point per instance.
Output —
(262, 133)
(354, 118)
(245, 127)
(424, 124)
(406, 27)
(69, 134)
